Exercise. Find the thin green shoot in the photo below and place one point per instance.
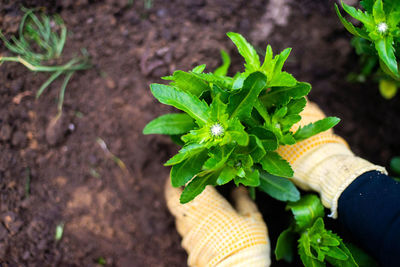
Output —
(27, 182)
(59, 232)
(110, 155)
(148, 4)
(101, 261)
(94, 173)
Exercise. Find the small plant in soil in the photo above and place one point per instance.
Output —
(377, 42)
(230, 130)
(315, 244)
(39, 47)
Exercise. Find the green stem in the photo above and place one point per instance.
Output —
(66, 67)
(62, 92)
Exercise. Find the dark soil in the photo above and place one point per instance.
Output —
(58, 174)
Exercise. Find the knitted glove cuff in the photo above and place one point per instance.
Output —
(329, 169)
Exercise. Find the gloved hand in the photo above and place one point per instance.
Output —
(324, 163)
(215, 234)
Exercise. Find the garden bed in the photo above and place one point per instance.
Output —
(60, 175)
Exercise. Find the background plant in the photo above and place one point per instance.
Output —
(377, 42)
(315, 244)
(41, 40)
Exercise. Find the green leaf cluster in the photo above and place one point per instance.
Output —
(377, 41)
(316, 245)
(232, 125)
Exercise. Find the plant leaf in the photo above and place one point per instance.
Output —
(199, 69)
(295, 106)
(183, 172)
(226, 62)
(282, 79)
(256, 148)
(282, 95)
(241, 104)
(315, 128)
(222, 81)
(188, 103)
(277, 187)
(189, 82)
(237, 133)
(360, 257)
(367, 5)
(306, 211)
(268, 138)
(359, 15)
(187, 151)
(305, 254)
(385, 50)
(275, 165)
(395, 165)
(285, 245)
(246, 50)
(196, 186)
(251, 178)
(377, 12)
(227, 174)
(350, 27)
(170, 124)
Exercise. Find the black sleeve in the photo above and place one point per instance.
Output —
(370, 209)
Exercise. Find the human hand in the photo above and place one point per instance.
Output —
(324, 162)
(215, 234)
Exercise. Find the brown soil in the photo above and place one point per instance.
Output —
(52, 174)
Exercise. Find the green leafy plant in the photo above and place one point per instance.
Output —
(230, 130)
(231, 126)
(40, 42)
(315, 244)
(377, 42)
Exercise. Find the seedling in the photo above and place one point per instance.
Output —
(111, 156)
(315, 244)
(40, 42)
(377, 41)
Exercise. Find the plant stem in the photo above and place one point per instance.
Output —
(68, 66)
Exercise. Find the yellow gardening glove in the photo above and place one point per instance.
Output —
(324, 163)
(215, 234)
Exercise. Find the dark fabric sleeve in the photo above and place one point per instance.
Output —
(370, 209)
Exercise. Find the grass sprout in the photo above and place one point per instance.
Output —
(40, 41)
(59, 232)
(27, 182)
(110, 155)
